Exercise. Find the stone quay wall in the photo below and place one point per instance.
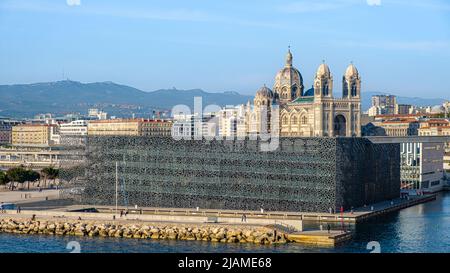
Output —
(212, 233)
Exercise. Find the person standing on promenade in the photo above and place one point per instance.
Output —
(328, 228)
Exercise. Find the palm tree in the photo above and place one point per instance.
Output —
(50, 173)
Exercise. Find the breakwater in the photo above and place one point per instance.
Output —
(213, 233)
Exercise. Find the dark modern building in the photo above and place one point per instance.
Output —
(303, 174)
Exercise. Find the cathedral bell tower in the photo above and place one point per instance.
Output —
(323, 82)
(351, 83)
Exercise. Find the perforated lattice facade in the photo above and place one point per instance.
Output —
(303, 174)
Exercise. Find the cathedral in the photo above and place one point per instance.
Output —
(311, 113)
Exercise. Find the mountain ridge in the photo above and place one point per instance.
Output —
(68, 96)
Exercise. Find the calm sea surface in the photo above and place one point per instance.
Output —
(422, 228)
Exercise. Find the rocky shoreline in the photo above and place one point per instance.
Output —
(212, 233)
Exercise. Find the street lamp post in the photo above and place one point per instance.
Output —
(117, 182)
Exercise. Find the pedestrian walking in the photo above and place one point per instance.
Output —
(328, 228)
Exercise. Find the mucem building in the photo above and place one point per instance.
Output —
(303, 174)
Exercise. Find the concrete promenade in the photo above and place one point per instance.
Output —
(28, 196)
(289, 223)
(48, 202)
(358, 214)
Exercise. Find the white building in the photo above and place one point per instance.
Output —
(97, 114)
(421, 167)
(232, 121)
(191, 126)
(74, 128)
(375, 111)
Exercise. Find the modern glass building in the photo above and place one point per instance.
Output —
(303, 174)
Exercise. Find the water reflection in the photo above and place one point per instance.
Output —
(422, 228)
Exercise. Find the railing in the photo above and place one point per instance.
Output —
(285, 227)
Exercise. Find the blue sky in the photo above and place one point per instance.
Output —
(399, 46)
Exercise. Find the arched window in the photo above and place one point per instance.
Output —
(304, 120)
(294, 92)
(284, 93)
(294, 120)
(284, 120)
(354, 89)
(325, 89)
(345, 89)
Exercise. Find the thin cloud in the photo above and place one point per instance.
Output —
(73, 2)
(428, 4)
(374, 2)
(310, 6)
(306, 6)
(186, 15)
(400, 45)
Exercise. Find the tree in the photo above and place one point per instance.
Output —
(21, 175)
(4, 179)
(32, 176)
(49, 173)
(17, 174)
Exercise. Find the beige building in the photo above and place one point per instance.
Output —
(312, 113)
(33, 134)
(156, 127)
(129, 127)
(435, 127)
(399, 127)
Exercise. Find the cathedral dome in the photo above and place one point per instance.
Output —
(323, 71)
(264, 92)
(351, 71)
(289, 75)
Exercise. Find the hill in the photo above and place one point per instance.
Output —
(27, 100)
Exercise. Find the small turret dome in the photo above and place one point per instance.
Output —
(351, 71)
(323, 71)
(265, 92)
